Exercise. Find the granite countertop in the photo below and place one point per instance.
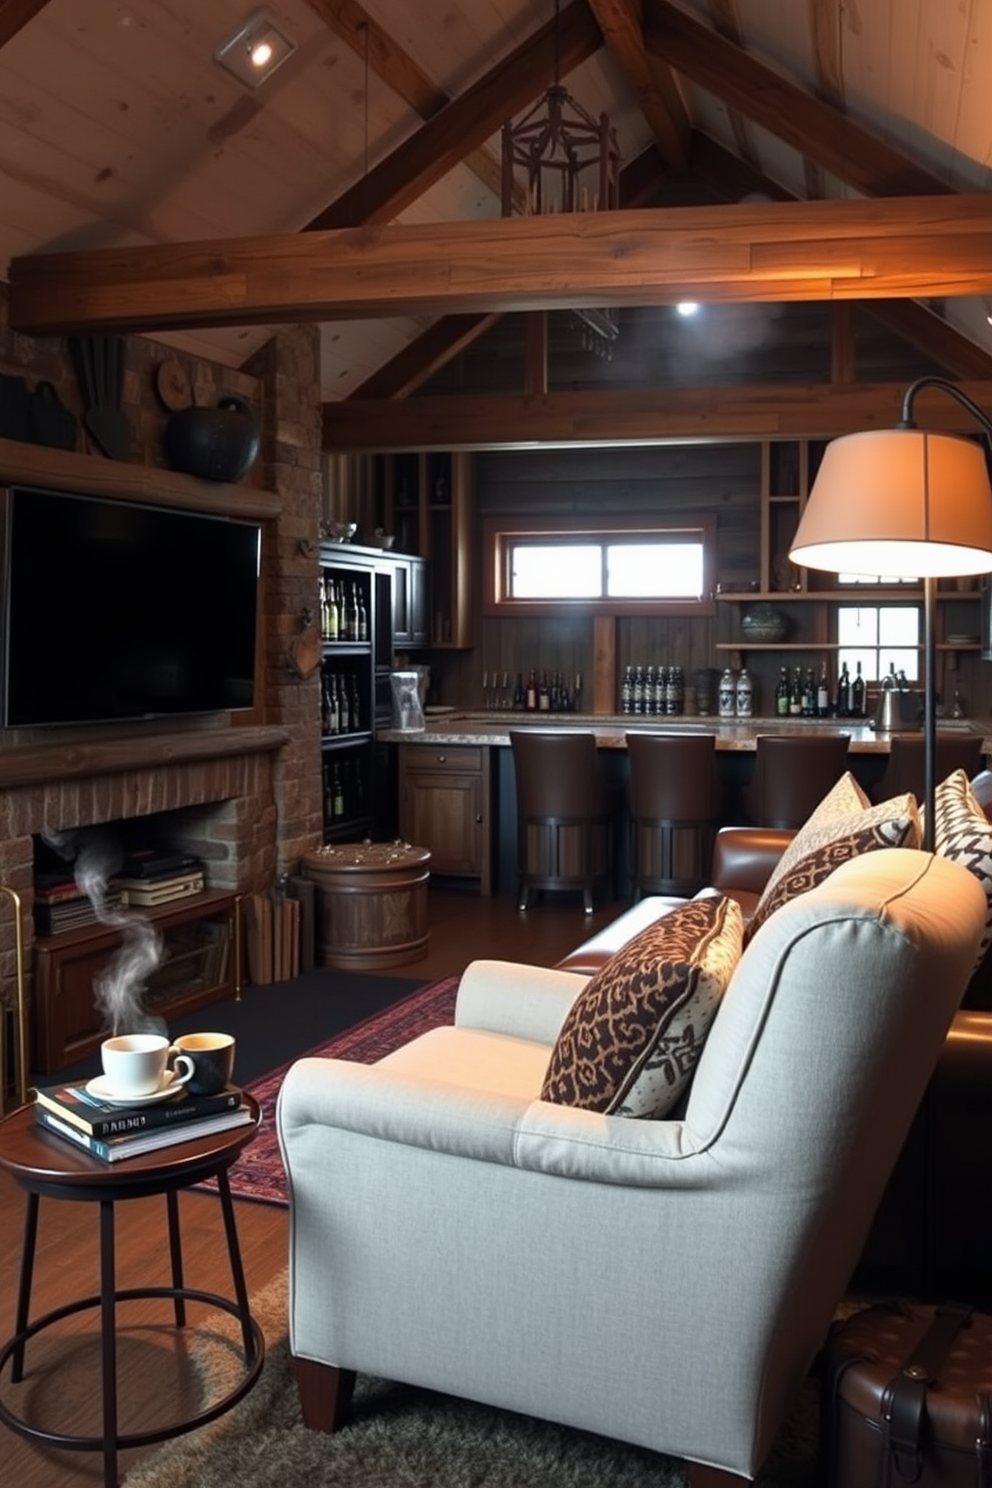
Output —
(463, 726)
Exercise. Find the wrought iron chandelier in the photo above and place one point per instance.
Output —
(558, 158)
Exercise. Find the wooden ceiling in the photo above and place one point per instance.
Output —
(143, 188)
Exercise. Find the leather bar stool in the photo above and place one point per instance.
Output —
(564, 814)
(905, 770)
(792, 774)
(675, 805)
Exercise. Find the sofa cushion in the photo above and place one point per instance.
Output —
(820, 863)
(845, 812)
(963, 833)
(630, 1043)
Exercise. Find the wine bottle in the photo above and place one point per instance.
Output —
(544, 695)
(333, 612)
(337, 802)
(531, 699)
(858, 704)
(782, 693)
(796, 695)
(823, 693)
(844, 693)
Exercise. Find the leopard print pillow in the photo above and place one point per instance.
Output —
(632, 1039)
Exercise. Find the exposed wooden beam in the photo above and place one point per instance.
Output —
(417, 362)
(920, 326)
(842, 342)
(815, 129)
(726, 22)
(637, 416)
(465, 123)
(747, 251)
(15, 14)
(397, 69)
(652, 81)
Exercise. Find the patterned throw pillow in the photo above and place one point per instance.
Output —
(963, 833)
(821, 862)
(631, 1041)
(844, 811)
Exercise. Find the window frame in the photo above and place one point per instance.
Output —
(852, 600)
(500, 533)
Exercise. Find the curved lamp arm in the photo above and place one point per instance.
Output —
(907, 421)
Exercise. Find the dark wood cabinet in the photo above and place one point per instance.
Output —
(446, 805)
(200, 965)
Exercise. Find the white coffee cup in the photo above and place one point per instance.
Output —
(137, 1063)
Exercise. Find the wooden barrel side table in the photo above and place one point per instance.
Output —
(371, 903)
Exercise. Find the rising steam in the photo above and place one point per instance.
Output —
(119, 990)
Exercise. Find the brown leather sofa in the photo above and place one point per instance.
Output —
(932, 1236)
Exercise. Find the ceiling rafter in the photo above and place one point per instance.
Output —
(443, 341)
(911, 247)
(652, 81)
(15, 14)
(812, 127)
(466, 122)
(397, 69)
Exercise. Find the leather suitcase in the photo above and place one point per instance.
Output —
(906, 1397)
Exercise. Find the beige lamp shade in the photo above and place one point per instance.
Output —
(898, 501)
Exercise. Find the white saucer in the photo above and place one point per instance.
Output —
(99, 1087)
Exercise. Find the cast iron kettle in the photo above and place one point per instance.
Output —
(218, 444)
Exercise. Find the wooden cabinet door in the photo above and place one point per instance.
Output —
(443, 813)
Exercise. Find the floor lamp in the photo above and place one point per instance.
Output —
(909, 503)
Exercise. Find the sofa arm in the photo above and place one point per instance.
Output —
(508, 997)
(743, 859)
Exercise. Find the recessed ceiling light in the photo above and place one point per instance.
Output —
(255, 50)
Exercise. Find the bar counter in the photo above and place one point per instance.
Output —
(464, 726)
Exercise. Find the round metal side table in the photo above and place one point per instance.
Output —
(47, 1167)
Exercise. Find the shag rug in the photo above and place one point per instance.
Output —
(402, 1437)
(258, 1173)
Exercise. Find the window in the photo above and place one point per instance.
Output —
(880, 637)
(627, 567)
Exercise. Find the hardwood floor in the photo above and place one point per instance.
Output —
(61, 1387)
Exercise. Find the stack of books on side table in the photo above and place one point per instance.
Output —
(114, 1129)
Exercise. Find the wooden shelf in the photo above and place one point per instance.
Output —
(745, 645)
(843, 596)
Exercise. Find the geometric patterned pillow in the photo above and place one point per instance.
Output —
(631, 1040)
(898, 819)
(963, 833)
(844, 799)
(821, 862)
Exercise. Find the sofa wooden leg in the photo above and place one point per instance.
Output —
(701, 1476)
(325, 1394)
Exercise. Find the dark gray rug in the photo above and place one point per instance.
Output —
(401, 1437)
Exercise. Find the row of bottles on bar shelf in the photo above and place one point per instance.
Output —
(343, 616)
(340, 705)
(550, 694)
(344, 790)
(655, 690)
(802, 696)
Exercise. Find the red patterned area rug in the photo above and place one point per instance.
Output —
(258, 1172)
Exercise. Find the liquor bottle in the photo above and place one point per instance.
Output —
(650, 689)
(322, 607)
(325, 707)
(638, 689)
(844, 692)
(344, 709)
(519, 696)
(627, 691)
(544, 695)
(354, 622)
(333, 612)
(531, 691)
(354, 706)
(823, 693)
(796, 695)
(858, 702)
(728, 694)
(744, 694)
(363, 618)
(782, 693)
(333, 719)
(337, 794)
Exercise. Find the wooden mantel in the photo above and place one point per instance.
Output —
(894, 247)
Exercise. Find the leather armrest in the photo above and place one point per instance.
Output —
(597, 950)
(743, 858)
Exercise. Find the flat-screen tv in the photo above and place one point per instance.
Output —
(120, 610)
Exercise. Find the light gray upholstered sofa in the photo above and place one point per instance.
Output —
(661, 1282)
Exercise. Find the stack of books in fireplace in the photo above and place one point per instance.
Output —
(148, 878)
(60, 905)
(115, 1129)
